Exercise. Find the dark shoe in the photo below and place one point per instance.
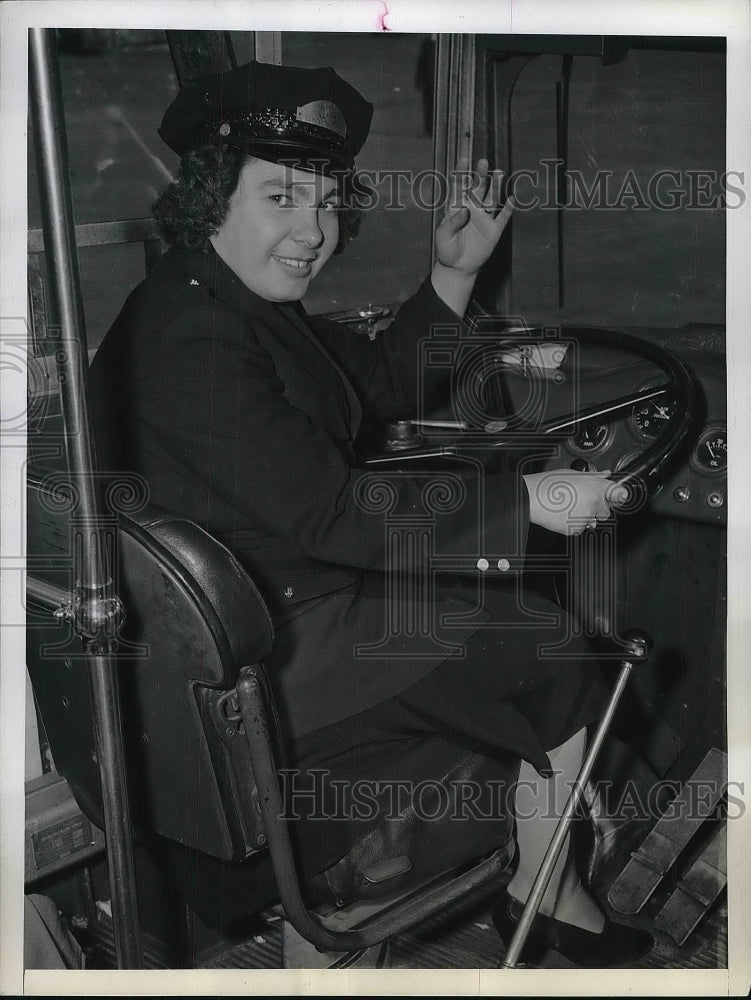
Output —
(615, 945)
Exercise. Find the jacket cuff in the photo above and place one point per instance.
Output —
(432, 307)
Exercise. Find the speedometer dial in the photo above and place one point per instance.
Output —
(649, 418)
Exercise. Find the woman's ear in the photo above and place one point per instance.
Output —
(358, 196)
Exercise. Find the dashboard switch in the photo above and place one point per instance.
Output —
(716, 499)
(681, 494)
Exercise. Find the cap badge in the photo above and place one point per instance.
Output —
(225, 128)
(324, 114)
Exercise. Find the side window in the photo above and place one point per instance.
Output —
(116, 84)
(638, 125)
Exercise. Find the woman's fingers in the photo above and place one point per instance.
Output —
(569, 501)
(617, 494)
(492, 200)
(470, 187)
(484, 191)
(505, 214)
(458, 186)
(455, 219)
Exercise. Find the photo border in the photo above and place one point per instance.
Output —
(730, 18)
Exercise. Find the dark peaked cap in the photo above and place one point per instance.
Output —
(276, 112)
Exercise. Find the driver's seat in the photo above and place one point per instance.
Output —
(203, 745)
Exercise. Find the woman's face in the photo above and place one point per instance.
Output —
(280, 230)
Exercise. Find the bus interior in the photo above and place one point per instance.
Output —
(614, 150)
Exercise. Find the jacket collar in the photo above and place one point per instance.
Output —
(286, 320)
(223, 283)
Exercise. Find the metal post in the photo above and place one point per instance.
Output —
(95, 612)
(640, 643)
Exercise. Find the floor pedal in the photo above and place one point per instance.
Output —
(663, 845)
(697, 890)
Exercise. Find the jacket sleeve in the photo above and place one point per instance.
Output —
(221, 419)
(386, 372)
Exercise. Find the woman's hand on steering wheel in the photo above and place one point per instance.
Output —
(570, 502)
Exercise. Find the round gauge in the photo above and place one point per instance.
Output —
(626, 458)
(591, 435)
(711, 451)
(650, 417)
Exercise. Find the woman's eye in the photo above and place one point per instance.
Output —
(283, 200)
(330, 206)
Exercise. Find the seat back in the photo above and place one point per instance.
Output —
(193, 618)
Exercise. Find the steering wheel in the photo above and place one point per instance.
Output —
(640, 476)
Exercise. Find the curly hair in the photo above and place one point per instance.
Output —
(195, 204)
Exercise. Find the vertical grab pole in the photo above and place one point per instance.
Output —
(95, 611)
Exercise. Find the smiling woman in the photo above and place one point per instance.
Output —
(280, 230)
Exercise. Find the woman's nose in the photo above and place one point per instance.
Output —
(307, 228)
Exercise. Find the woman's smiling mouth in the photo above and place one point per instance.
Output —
(301, 264)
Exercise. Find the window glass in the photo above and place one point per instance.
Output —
(643, 240)
(115, 84)
(390, 257)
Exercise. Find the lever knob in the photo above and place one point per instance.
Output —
(638, 644)
(401, 434)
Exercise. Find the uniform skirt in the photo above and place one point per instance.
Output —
(523, 688)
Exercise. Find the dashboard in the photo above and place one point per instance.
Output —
(692, 483)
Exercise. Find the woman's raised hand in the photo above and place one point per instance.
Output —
(469, 231)
(474, 218)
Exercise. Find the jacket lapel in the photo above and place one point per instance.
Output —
(299, 317)
(284, 323)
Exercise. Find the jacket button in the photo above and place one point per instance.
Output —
(504, 565)
(289, 592)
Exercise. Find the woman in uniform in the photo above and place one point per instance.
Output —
(244, 414)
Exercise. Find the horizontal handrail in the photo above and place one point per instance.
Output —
(97, 234)
(46, 595)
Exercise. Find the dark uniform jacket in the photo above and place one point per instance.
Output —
(242, 415)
